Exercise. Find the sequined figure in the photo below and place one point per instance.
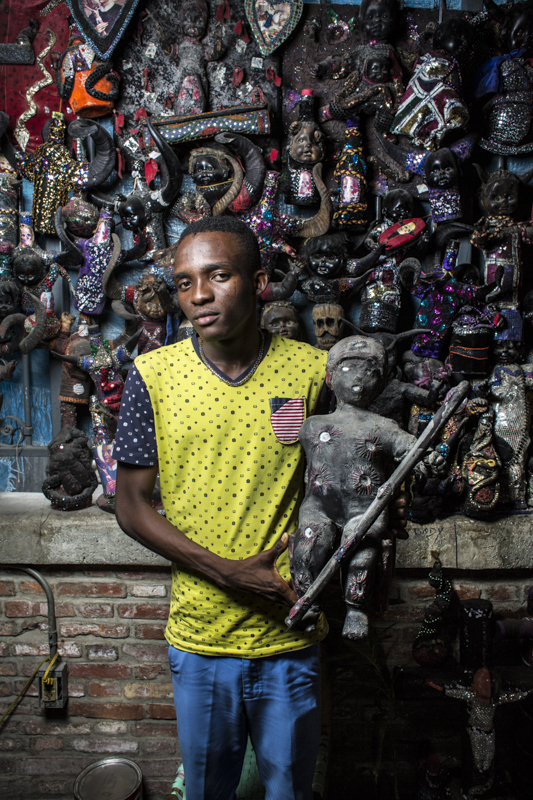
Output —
(432, 644)
(480, 470)
(8, 204)
(96, 253)
(349, 453)
(305, 148)
(350, 172)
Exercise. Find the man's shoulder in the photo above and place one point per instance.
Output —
(302, 350)
(163, 356)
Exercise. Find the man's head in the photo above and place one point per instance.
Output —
(218, 275)
(357, 370)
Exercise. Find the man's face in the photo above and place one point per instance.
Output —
(216, 289)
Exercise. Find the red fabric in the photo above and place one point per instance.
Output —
(15, 79)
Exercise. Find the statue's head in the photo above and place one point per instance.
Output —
(378, 19)
(282, 318)
(306, 142)
(325, 256)
(377, 69)
(133, 213)
(29, 268)
(499, 195)
(398, 205)
(26, 233)
(507, 351)
(517, 29)
(441, 170)
(328, 324)
(210, 170)
(357, 370)
(454, 36)
(194, 16)
(148, 303)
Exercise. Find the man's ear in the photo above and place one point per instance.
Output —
(260, 281)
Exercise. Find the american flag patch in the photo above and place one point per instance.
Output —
(287, 415)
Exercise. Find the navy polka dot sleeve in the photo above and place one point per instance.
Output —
(135, 441)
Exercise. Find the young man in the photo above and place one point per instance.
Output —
(218, 416)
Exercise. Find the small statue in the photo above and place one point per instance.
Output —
(506, 388)
(71, 480)
(349, 454)
(142, 210)
(481, 471)
(76, 385)
(281, 318)
(482, 705)
(432, 646)
(508, 83)
(53, 171)
(305, 148)
(328, 324)
(398, 205)
(13, 335)
(500, 240)
(432, 104)
(192, 95)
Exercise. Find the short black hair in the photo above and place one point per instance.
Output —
(244, 234)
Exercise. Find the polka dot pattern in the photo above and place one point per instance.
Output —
(226, 482)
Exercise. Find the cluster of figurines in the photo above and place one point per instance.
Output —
(376, 234)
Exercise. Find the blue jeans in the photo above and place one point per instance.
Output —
(220, 701)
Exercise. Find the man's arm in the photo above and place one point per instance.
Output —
(135, 515)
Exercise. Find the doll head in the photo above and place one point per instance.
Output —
(133, 213)
(441, 170)
(377, 69)
(378, 19)
(26, 231)
(454, 36)
(325, 256)
(210, 170)
(499, 195)
(194, 17)
(29, 269)
(306, 142)
(517, 29)
(357, 370)
(507, 351)
(397, 205)
(281, 318)
(147, 302)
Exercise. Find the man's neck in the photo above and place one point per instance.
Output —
(233, 356)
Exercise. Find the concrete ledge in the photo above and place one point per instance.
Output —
(32, 533)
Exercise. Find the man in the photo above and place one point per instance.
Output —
(218, 416)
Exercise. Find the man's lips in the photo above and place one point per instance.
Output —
(205, 317)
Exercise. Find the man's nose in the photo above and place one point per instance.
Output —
(201, 292)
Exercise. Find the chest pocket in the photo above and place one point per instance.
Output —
(287, 415)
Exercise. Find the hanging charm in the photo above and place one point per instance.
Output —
(272, 22)
(102, 24)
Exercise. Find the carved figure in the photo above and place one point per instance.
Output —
(350, 453)
(432, 645)
(432, 104)
(305, 148)
(328, 324)
(507, 81)
(71, 480)
(54, 172)
(192, 96)
(481, 705)
(36, 277)
(481, 470)
(281, 317)
(75, 387)
(326, 259)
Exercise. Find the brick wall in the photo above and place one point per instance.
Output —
(110, 626)
(111, 632)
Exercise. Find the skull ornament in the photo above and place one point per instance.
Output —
(328, 324)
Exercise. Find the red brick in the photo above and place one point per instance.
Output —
(93, 610)
(148, 590)
(154, 691)
(139, 575)
(7, 588)
(103, 629)
(48, 728)
(106, 710)
(467, 592)
(8, 629)
(31, 587)
(44, 743)
(99, 671)
(76, 689)
(99, 573)
(63, 766)
(143, 610)
(149, 631)
(161, 710)
(501, 593)
(6, 688)
(99, 689)
(403, 612)
(158, 769)
(31, 691)
(66, 649)
(55, 786)
(92, 589)
(157, 746)
(4, 650)
(146, 652)
(7, 669)
(25, 608)
(104, 746)
(147, 672)
(142, 729)
(13, 744)
(111, 726)
(98, 652)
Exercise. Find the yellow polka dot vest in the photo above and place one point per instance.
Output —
(231, 485)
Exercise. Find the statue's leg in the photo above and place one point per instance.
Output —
(309, 549)
(358, 577)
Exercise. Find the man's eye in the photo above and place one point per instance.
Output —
(182, 285)
(221, 276)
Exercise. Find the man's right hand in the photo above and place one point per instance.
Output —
(259, 574)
